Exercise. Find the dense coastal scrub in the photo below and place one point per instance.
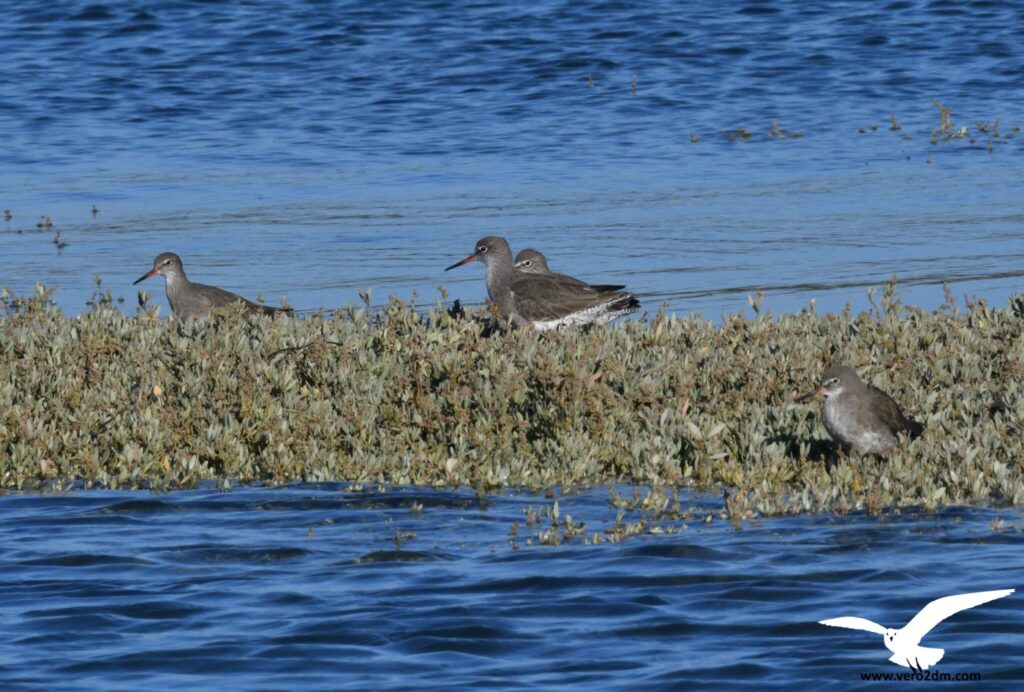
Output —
(436, 400)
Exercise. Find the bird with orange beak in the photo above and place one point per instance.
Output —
(544, 301)
(189, 300)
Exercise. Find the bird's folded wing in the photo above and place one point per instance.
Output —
(887, 410)
(941, 608)
(852, 623)
(217, 298)
(600, 288)
(214, 297)
(541, 297)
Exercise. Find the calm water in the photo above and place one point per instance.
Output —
(303, 588)
(317, 149)
(312, 150)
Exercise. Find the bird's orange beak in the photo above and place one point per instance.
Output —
(469, 259)
(145, 276)
(820, 391)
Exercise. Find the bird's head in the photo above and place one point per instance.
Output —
(834, 381)
(531, 261)
(488, 250)
(165, 264)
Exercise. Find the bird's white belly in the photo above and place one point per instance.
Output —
(844, 427)
(589, 316)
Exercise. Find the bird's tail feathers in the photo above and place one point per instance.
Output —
(624, 304)
(915, 428)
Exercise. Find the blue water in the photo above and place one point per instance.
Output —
(313, 150)
(304, 588)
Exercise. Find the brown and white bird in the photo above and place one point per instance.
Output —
(857, 415)
(544, 301)
(189, 300)
(532, 261)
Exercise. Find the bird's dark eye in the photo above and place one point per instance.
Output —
(167, 263)
(482, 249)
(834, 380)
(528, 263)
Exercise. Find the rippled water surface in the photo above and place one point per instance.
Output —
(304, 587)
(310, 150)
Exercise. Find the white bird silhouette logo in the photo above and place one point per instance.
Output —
(903, 643)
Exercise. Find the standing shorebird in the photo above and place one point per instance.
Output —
(532, 261)
(544, 301)
(857, 415)
(189, 300)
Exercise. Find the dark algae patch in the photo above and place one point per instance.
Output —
(440, 401)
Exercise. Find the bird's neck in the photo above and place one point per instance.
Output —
(499, 272)
(499, 284)
(176, 282)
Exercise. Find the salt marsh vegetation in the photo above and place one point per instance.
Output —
(408, 396)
